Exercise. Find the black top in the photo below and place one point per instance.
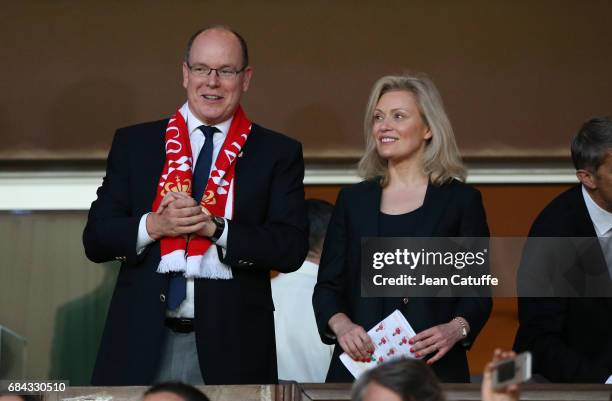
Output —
(399, 225)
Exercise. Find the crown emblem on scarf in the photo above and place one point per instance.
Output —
(177, 185)
(209, 197)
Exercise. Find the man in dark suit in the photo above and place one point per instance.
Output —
(570, 336)
(223, 309)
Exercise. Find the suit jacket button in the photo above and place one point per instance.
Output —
(162, 298)
(405, 301)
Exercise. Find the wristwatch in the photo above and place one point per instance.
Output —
(220, 226)
(463, 326)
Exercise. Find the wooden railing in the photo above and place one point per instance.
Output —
(335, 392)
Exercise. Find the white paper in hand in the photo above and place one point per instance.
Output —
(390, 338)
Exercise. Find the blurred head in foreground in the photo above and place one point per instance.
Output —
(401, 380)
(174, 391)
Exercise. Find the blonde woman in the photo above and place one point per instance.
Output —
(413, 187)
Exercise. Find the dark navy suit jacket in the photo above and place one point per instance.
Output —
(570, 338)
(233, 318)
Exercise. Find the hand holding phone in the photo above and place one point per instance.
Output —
(512, 371)
(502, 375)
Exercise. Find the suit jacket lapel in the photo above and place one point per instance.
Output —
(244, 170)
(367, 209)
(434, 205)
(149, 164)
(583, 226)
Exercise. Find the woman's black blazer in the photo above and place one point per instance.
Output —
(453, 209)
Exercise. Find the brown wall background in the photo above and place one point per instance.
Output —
(518, 78)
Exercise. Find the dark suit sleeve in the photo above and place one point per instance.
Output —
(329, 295)
(112, 229)
(543, 324)
(281, 241)
(475, 310)
(541, 331)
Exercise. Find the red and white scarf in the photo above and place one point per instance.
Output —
(187, 254)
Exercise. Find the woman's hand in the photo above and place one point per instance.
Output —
(439, 339)
(352, 338)
(488, 393)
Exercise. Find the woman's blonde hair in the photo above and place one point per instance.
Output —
(441, 160)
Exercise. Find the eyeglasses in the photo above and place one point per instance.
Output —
(223, 73)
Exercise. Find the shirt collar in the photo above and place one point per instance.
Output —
(193, 123)
(601, 218)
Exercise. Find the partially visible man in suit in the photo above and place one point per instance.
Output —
(301, 355)
(570, 337)
(198, 208)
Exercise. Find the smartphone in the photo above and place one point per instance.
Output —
(510, 371)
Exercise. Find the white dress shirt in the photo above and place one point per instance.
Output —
(300, 354)
(601, 218)
(602, 222)
(197, 139)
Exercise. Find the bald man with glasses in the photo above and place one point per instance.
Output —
(198, 208)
